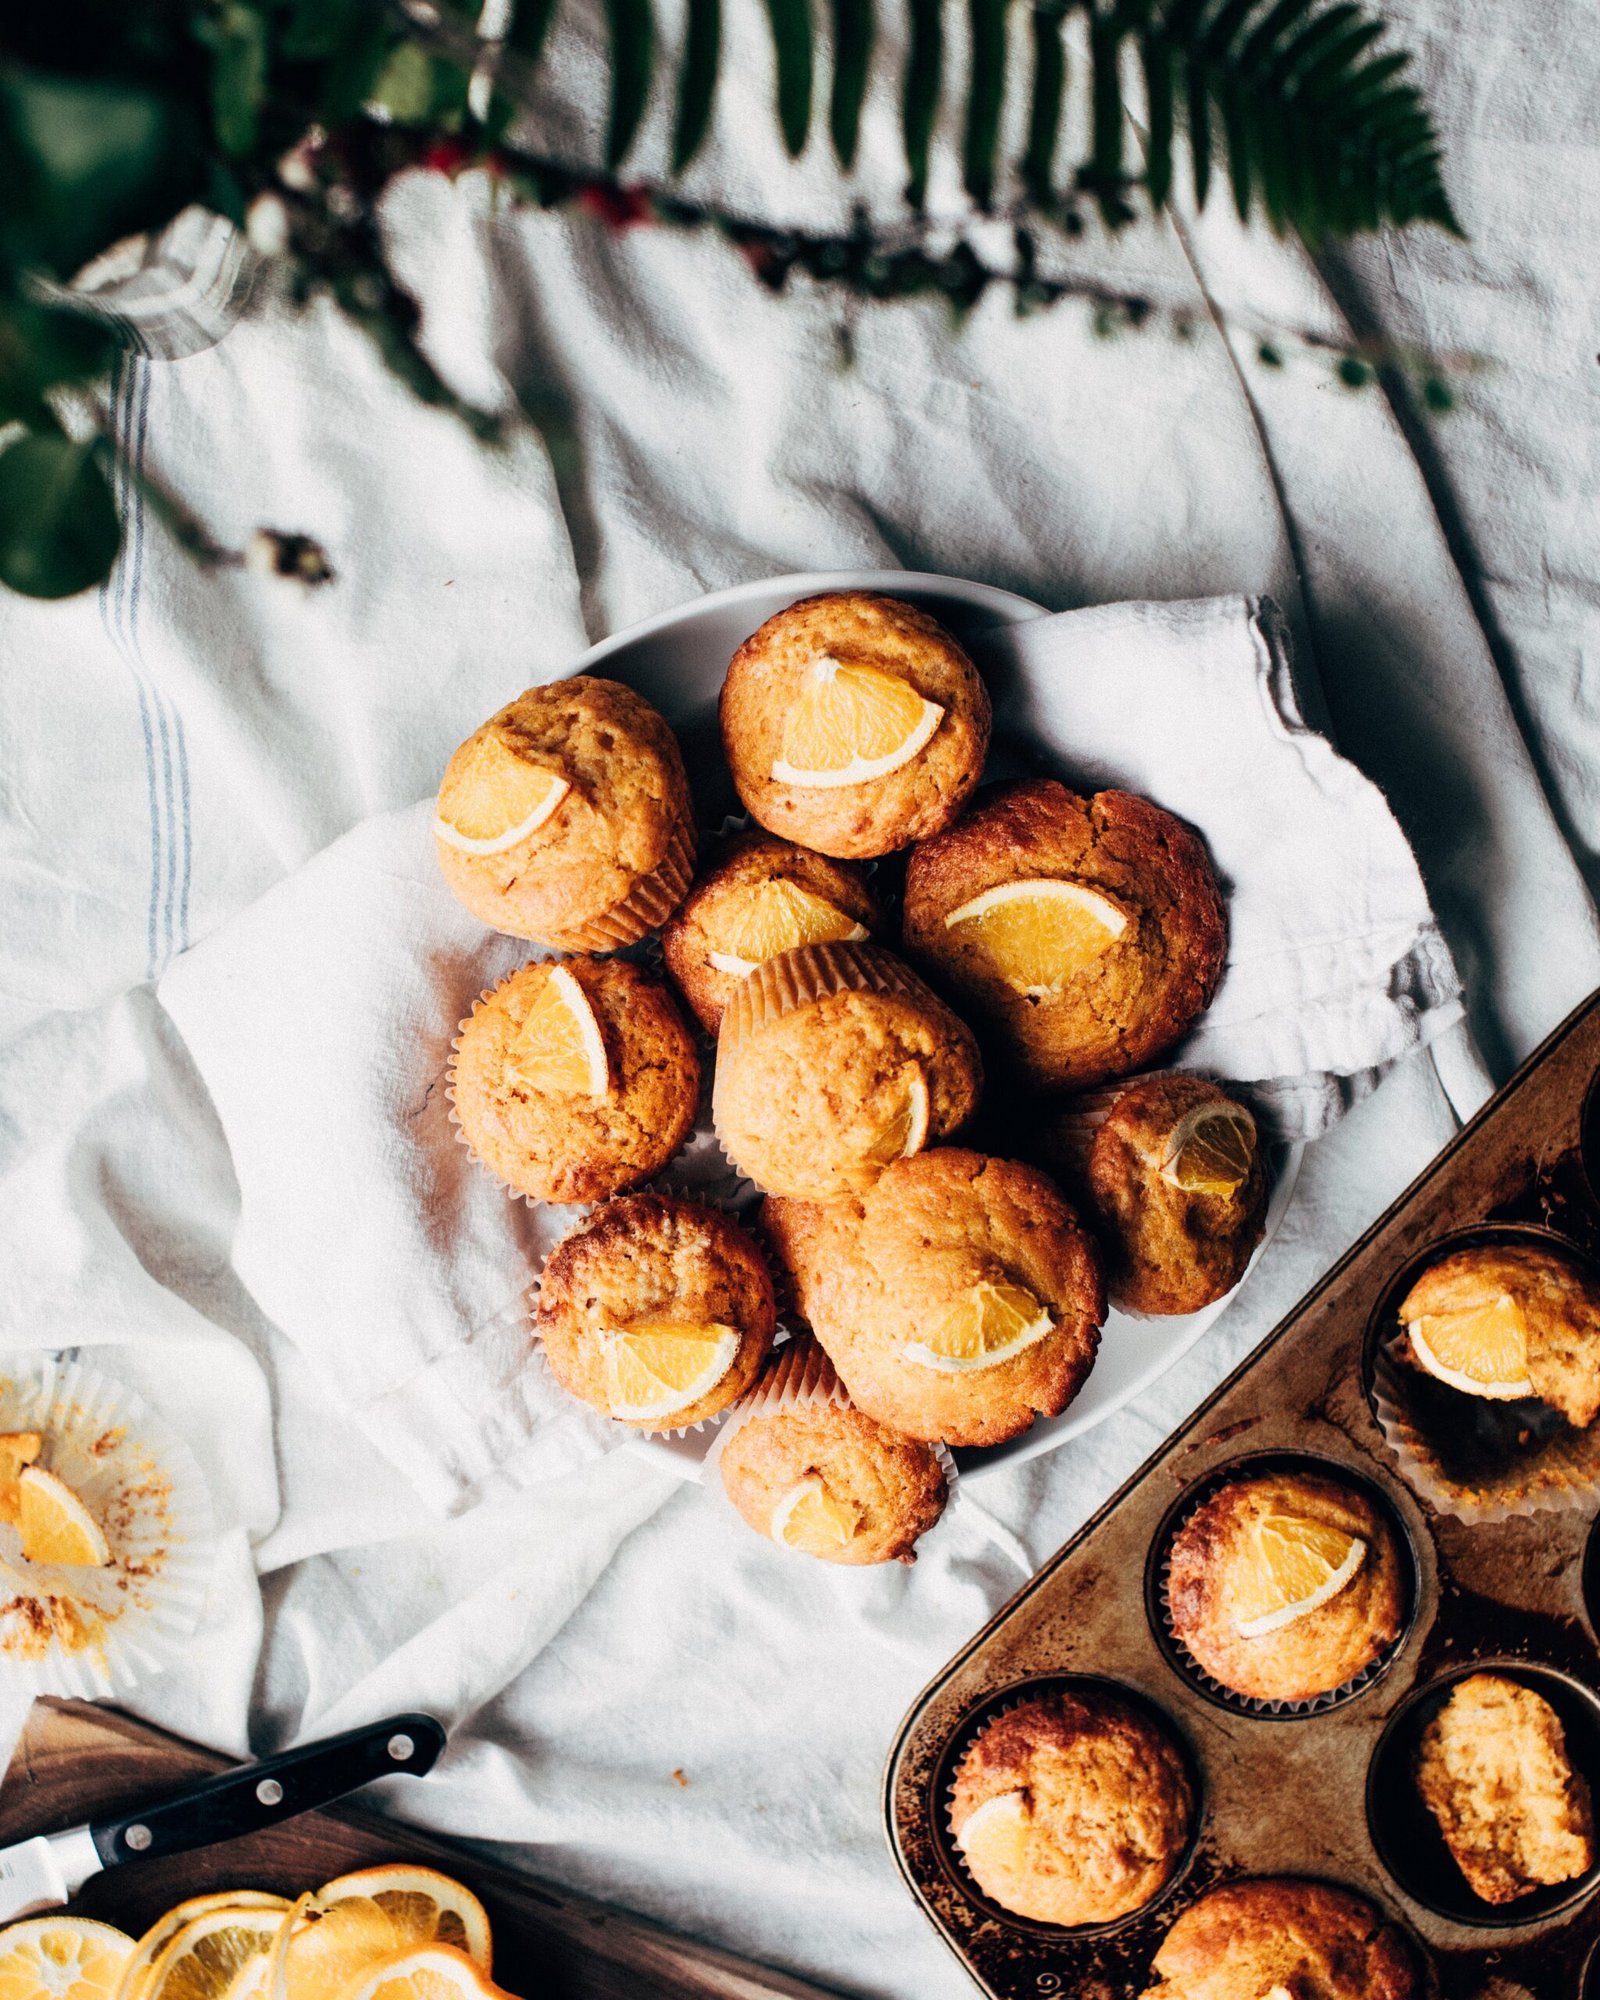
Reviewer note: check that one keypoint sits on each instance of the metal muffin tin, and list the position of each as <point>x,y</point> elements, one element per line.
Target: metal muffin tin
<point>1323,1790</point>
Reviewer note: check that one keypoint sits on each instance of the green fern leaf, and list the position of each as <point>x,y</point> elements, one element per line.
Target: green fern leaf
<point>1156,57</point>
<point>1105,48</point>
<point>920,99</point>
<point>791,45</point>
<point>697,79</point>
<point>985,96</point>
<point>853,32</point>
<point>1044,106</point>
<point>633,51</point>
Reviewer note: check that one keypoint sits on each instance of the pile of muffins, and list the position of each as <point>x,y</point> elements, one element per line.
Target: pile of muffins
<point>1050,946</point>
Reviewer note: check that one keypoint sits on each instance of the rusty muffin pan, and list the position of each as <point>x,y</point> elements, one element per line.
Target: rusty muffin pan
<point>1320,1788</point>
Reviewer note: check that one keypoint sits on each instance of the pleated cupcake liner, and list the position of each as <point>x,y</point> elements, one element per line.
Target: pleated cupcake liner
<point>92,1633</point>
<point>810,973</point>
<point>647,906</point>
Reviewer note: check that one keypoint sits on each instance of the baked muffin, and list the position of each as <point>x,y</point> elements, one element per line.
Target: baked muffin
<point>1284,1585</point>
<point>1505,1321</point>
<point>575,1080</point>
<point>816,1475</point>
<point>832,1061</point>
<point>760,897</point>
<point>1086,933</point>
<point>656,1311</point>
<point>1282,1939</point>
<point>1176,1184</point>
<point>959,1298</point>
<point>567,819</point>
<point>854,724</point>
<point>1072,1808</point>
<point>1493,1769</point>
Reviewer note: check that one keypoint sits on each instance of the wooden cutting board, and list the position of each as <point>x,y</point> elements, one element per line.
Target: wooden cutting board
<point>77,1761</point>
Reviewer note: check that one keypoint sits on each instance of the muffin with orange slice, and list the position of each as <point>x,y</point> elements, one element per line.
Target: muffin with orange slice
<point>854,724</point>
<point>816,1475</point>
<point>655,1311</point>
<point>760,898</point>
<point>959,1297</point>
<point>1277,1938</point>
<point>567,818</point>
<point>1284,1585</point>
<point>833,1061</point>
<point>574,1080</point>
<point>1087,934</point>
<point>1174,1176</point>
<point>1072,1808</point>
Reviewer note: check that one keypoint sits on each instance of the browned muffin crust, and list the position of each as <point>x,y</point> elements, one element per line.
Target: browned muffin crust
<point>881,814</point>
<point>1129,1006</point>
<point>879,1272</point>
<point>570,1148</point>
<point>650,1256</point>
<point>1108,1799</point>
<point>1248,1940</point>
<point>1168,1249</point>
<point>1316,1653</point>
<point>700,926</point>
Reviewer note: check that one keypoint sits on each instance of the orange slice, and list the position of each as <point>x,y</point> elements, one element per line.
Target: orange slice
<point>1039,934</point>
<point>852,724</point>
<point>433,1972</point>
<point>990,1324</point>
<point>56,1526</point>
<point>995,1837</point>
<point>1293,1568</point>
<point>777,916</point>
<point>656,1367</point>
<point>1211,1151</point>
<point>362,1921</point>
<point>207,1957</point>
<point>61,1958</point>
<point>496,799</point>
<point>1482,1351</point>
<point>17,1449</point>
<point>813,1520</point>
<point>560,1050</point>
<point>161,1933</point>
<point>906,1131</point>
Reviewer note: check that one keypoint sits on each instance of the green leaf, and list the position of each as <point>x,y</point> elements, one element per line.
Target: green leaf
<point>1199,123</point>
<point>853,32</point>
<point>42,349</point>
<point>407,84</point>
<point>237,37</point>
<point>632,60</point>
<point>791,45</point>
<point>354,62</point>
<point>529,28</point>
<point>1157,62</point>
<point>1044,107</point>
<point>985,96</point>
<point>920,98</point>
<point>1105,44</point>
<point>59,532</point>
<point>697,79</point>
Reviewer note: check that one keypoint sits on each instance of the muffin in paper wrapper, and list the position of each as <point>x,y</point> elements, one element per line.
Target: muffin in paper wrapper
<point>649,903</point>
<point>813,972</point>
<point>89,1633</point>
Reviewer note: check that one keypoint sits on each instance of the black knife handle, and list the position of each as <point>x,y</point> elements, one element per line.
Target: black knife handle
<point>256,1796</point>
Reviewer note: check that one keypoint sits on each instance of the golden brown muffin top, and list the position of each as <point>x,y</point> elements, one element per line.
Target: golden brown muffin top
<point>1097,1809</point>
<point>771,671</point>
<point>568,1146</point>
<point>1276,1934</point>
<point>1129,1005</point>
<point>1215,1559</point>
<point>825,1059</point>
<point>1560,1304</point>
<point>629,797</point>
<point>643,1261</point>
<point>880,1276</point>
<point>1493,1769</point>
<point>1170,1249</point>
<point>879,1491</point>
<point>715,915</point>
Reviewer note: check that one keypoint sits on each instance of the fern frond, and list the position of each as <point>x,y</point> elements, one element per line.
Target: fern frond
<point>632,27</point>
<point>853,31</point>
<point>1044,106</point>
<point>791,46</point>
<point>697,79</point>
<point>985,96</point>
<point>920,97</point>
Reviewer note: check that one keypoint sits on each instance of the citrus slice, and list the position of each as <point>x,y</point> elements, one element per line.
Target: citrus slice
<point>1039,934</point>
<point>161,1933</point>
<point>17,1449</point>
<point>61,1958</point>
<point>430,1972</point>
<point>778,916</point>
<point>1482,1351</point>
<point>560,1050</point>
<point>1295,1567</point>
<point>359,1922</point>
<point>1211,1150</point>
<point>56,1526</point>
<point>995,1837</point>
<point>497,799</point>
<point>906,1131</point>
<point>813,1520</point>
<point>853,723</point>
<point>656,1367</point>
<point>988,1325</point>
<point>204,1959</point>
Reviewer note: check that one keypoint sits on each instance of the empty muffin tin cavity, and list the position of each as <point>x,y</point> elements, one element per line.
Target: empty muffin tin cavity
<point>1407,1836</point>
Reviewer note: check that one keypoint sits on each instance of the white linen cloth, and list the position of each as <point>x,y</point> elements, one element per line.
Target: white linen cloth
<point>174,746</point>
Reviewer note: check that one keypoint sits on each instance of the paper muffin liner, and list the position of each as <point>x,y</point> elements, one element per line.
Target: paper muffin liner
<point>90,1633</point>
<point>811,972</point>
<point>649,903</point>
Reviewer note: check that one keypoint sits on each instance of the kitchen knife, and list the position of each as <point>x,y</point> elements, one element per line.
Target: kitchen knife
<point>43,1873</point>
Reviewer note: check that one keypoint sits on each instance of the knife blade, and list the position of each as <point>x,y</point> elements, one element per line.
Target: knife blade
<point>49,1869</point>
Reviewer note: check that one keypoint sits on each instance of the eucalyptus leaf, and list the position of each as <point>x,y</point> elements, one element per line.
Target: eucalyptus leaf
<point>59,532</point>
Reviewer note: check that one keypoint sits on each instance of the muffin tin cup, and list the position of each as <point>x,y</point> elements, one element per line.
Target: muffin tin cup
<point>649,903</point>
<point>1561,1473</point>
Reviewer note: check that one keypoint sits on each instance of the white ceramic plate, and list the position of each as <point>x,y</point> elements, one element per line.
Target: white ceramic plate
<point>677,660</point>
